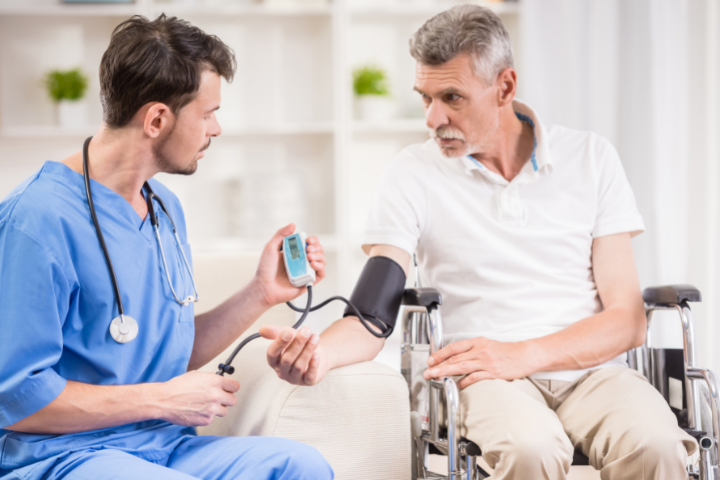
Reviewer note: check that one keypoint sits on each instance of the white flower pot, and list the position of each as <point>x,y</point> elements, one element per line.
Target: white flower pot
<point>376,108</point>
<point>71,114</point>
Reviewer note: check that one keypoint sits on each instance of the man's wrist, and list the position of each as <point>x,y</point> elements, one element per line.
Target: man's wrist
<point>330,355</point>
<point>257,293</point>
<point>154,400</point>
<point>537,356</point>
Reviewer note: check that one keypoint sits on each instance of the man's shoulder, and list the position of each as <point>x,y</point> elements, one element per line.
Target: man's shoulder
<point>416,159</point>
<point>559,134</point>
<point>587,147</point>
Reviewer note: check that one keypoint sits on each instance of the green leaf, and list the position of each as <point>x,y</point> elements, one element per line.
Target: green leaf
<point>370,80</point>
<point>66,84</point>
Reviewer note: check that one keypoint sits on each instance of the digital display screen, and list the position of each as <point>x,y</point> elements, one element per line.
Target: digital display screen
<point>294,250</point>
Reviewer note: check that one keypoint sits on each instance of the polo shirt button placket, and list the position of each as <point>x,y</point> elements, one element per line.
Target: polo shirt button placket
<point>510,204</point>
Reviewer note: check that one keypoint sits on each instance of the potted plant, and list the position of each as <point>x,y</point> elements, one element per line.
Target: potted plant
<point>373,100</point>
<point>67,88</point>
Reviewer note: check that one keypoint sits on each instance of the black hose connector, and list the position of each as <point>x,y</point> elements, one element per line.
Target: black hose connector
<point>226,368</point>
<point>223,369</point>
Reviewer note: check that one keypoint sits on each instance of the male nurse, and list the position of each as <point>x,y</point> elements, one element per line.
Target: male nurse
<point>75,402</point>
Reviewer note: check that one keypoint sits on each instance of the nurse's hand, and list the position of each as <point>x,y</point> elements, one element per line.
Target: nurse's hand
<point>270,277</point>
<point>195,398</point>
<point>296,356</point>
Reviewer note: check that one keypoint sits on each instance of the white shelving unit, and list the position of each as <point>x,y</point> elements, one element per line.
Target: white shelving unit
<point>291,148</point>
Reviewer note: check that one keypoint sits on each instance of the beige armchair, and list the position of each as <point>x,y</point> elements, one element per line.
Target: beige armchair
<point>358,417</point>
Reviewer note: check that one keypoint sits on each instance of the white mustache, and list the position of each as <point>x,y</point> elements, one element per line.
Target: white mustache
<point>447,133</point>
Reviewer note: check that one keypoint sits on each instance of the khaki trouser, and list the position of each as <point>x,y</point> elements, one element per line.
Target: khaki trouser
<point>528,429</point>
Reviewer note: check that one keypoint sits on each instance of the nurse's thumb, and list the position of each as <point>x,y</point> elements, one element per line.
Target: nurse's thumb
<point>277,239</point>
<point>271,332</point>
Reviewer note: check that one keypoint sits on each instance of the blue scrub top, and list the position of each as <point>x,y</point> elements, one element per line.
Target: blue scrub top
<point>57,302</point>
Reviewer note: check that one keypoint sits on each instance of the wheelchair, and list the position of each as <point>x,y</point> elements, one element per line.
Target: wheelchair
<point>692,392</point>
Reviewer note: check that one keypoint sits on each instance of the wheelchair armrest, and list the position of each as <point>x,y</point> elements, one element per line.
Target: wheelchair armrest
<point>422,297</point>
<point>670,295</point>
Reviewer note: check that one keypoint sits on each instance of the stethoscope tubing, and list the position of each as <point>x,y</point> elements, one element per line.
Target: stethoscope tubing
<point>98,230</point>
<point>155,224</point>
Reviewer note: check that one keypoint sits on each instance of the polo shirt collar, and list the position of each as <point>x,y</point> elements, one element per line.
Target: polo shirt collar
<point>540,159</point>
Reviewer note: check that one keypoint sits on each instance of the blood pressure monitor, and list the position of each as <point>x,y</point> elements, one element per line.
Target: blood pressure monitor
<point>297,265</point>
<point>380,290</point>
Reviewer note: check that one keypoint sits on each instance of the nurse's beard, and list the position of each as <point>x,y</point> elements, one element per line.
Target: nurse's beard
<point>165,163</point>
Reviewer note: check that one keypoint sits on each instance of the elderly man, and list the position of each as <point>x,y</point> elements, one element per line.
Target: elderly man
<point>526,231</point>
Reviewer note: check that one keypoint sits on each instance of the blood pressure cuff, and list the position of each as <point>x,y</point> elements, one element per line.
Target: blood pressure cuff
<point>378,293</point>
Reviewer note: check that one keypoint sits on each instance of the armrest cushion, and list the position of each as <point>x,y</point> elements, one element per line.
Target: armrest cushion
<point>670,295</point>
<point>358,417</point>
<point>422,297</point>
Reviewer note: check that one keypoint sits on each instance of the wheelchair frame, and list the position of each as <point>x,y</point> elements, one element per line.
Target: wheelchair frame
<point>422,336</point>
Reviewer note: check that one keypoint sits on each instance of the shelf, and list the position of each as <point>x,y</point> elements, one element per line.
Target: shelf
<point>424,10</point>
<point>250,10</point>
<point>127,10</point>
<point>241,245</point>
<point>46,132</point>
<point>405,125</point>
<point>70,10</point>
<point>320,128</point>
<point>294,103</point>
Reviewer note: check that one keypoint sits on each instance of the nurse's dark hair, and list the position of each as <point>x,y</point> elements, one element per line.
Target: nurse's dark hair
<point>157,61</point>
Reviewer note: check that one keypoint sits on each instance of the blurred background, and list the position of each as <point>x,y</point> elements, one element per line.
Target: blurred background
<point>323,100</point>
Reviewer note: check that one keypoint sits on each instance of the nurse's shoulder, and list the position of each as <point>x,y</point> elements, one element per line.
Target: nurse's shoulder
<point>36,195</point>
<point>8,203</point>
<point>46,204</point>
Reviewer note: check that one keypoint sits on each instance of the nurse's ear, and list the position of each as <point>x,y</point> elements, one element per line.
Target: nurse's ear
<point>157,118</point>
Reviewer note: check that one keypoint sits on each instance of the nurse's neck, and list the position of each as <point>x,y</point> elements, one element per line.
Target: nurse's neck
<point>122,160</point>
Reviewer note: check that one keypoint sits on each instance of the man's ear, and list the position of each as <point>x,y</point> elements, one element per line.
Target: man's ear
<point>507,81</point>
<point>158,117</point>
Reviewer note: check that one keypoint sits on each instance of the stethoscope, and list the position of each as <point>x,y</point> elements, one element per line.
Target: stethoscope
<point>124,328</point>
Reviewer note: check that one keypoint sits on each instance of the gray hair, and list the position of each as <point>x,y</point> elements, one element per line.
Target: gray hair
<point>465,29</point>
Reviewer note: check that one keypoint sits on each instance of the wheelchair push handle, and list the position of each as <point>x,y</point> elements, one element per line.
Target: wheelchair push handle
<point>668,295</point>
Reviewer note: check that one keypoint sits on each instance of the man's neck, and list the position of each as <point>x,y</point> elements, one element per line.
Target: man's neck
<point>511,146</point>
<point>121,160</point>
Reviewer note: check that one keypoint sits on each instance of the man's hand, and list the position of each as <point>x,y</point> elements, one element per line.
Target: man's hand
<point>196,398</point>
<point>296,356</point>
<point>481,359</point>
<point>270,275</point>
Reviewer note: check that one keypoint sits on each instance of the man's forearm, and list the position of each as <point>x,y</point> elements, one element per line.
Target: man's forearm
<point>348,341</point>
<point>217,329</point>
<point>589,342</point>
<point>81,407</point>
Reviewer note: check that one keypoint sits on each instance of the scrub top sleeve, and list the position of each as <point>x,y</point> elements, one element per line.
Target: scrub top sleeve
<point>617,211</point>
<point>399,209</point>
<point>34,299</point>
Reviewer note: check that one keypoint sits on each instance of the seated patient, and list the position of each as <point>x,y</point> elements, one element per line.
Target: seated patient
<point>525,229</point>
<point>83,395</point>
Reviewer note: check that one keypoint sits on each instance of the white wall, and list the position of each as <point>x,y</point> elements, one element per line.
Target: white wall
<point>643,73</point>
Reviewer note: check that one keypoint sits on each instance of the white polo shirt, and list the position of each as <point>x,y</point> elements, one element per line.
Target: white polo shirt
<point>512,260</point>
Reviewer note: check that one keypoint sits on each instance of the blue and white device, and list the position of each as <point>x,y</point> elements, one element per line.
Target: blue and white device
<point>297,265</point>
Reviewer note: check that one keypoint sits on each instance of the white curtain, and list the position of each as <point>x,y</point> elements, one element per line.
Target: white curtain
<point>644,74</point>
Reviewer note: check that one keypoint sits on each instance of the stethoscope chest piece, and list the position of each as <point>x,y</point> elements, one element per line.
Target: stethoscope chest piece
<point>123,329</point>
